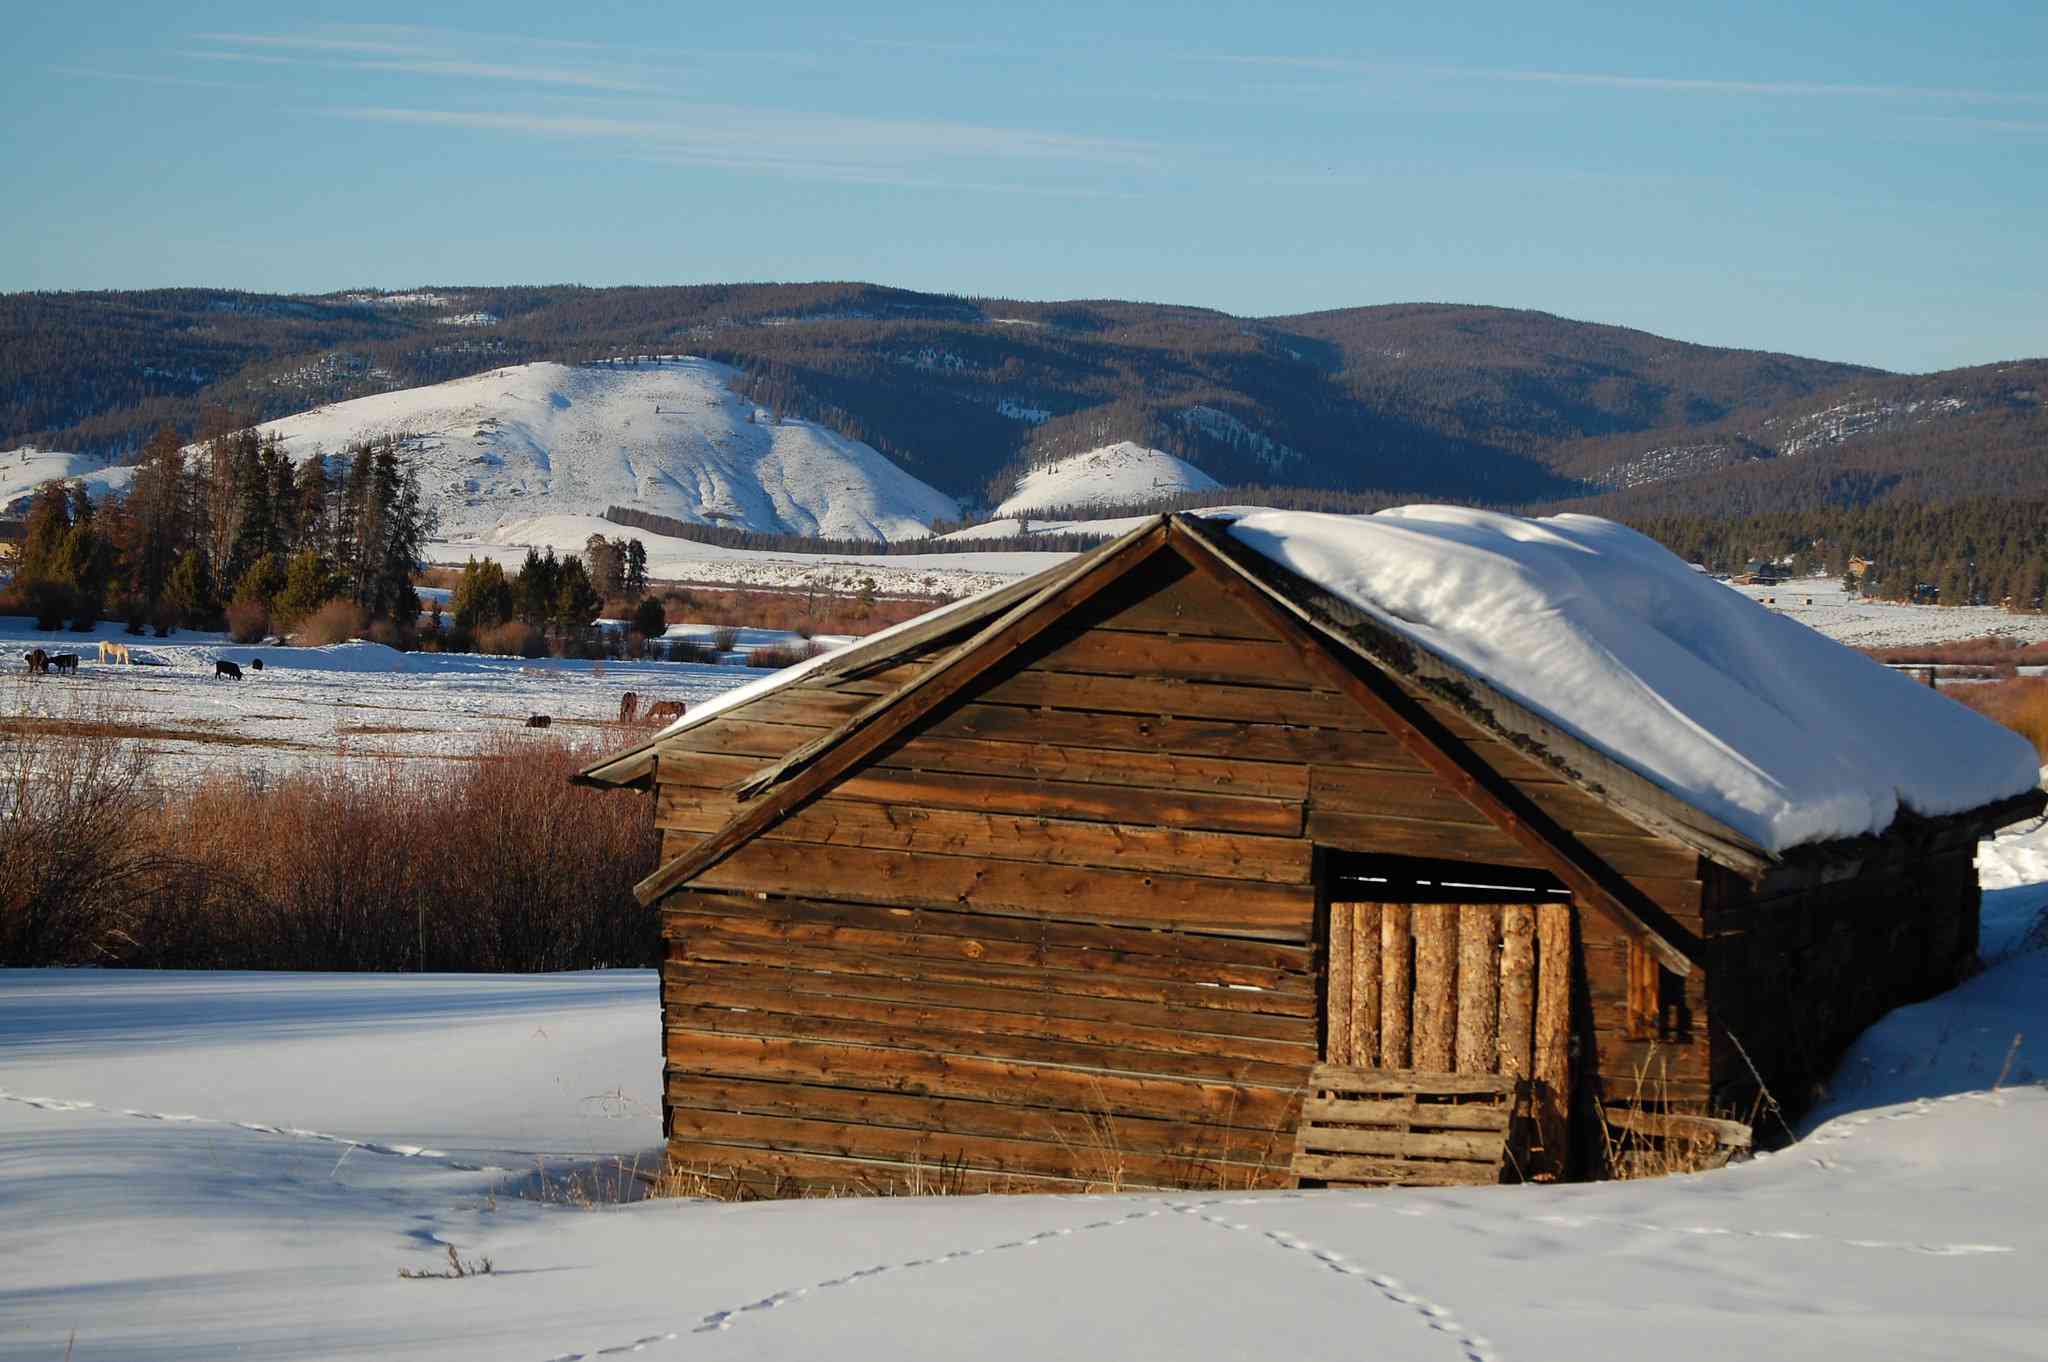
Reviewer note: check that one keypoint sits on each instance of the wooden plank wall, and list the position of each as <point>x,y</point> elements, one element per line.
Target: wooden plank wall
<point>1160,767</point>
<point>1803,964</point>
<point>840,1042</point>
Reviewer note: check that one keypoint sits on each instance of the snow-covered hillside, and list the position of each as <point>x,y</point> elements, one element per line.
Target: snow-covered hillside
<point>668,437</point>
<point>25,469</point>
<point>1120,473</point>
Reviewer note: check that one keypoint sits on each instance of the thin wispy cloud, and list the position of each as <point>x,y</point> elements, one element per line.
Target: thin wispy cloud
<point>145,78</point>
<point>816,139</point>
<point>365,54</point>
<point>470,70</point>
<point>1658,84</point>
<point>311,43</point>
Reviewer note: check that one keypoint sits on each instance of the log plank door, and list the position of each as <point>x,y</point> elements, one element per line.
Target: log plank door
<point>1445,1046</point>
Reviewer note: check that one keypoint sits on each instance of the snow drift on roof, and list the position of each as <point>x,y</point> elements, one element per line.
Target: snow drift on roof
<point>1784,735</point>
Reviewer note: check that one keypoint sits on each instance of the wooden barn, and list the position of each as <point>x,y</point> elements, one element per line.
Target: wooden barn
<point>1171,867</point>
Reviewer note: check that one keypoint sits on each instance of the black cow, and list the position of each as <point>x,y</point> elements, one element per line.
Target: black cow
<point>223,667</point>
<point>65,662</point>
<point>537,721</point>
<point>255,664</point>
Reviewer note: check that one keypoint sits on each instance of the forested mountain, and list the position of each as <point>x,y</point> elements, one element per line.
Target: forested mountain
<point>1469,403</point>
<point>1932,438</point>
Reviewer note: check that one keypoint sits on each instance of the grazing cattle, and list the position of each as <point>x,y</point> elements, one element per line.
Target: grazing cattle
<point>223,667</point>
<point>38,662</point>
<point>111,652</point>
<point>65,662</point>
<point>629,707</point>
<point>662,710</point>
<point>537,721</point>
<point>255,664</point>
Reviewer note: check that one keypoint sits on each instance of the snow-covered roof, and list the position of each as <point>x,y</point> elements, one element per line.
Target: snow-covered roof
<point>1779,733</point>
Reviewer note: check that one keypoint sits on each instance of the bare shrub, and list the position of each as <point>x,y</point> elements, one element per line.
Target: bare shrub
<point>74,851</point>
<point>334,622</point>
<point>691,650</point>
<point>782,654</point>
<point>725,638</point>
<point>248,621</point>
<point>513,638</point>
<point>494,864</point>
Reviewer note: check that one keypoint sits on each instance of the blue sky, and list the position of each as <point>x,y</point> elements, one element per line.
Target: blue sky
<point>1862,182</point>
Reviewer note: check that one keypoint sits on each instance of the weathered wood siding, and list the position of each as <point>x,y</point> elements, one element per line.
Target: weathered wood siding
<point>897,1047</point>
<point>1813,955</point>
<point>1079,897</point>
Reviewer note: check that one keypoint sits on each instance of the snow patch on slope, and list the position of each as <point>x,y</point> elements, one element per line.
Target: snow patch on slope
<point>668,437</point>
<point>23,470</point>
<point>1120,473</point>
<point>1781,734</point>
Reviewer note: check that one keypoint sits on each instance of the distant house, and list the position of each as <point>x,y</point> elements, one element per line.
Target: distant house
<point>1300,850</point>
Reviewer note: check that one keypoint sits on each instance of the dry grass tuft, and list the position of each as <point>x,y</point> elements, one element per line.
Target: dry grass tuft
<point>457,1269</point>
<point>1649,1136</point>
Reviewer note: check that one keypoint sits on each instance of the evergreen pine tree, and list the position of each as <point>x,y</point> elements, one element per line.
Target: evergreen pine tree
<point>190,590</point>
<point>49,521</point>
<point>308,584</point>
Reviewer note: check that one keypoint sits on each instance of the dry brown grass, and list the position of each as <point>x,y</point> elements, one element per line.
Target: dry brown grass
<point>495,863</point>
<point>1647,1135</point>
<point>1989,651</point>
<point>803,613</point>
<point>2021,705</point>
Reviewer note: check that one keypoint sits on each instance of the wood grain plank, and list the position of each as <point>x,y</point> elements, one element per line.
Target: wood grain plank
<point>1434,1039</point>
<point>1478,1047</point>
<point>855,816</point>
<point>1184,902</point>
<point>1208,1029</point>
<point>1245,1106</point>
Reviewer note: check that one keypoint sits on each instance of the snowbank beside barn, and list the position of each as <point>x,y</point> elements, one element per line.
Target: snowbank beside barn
<point>1782,734</point>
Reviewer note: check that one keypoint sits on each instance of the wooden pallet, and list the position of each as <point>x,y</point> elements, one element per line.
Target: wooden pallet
<point>1403,1128</point>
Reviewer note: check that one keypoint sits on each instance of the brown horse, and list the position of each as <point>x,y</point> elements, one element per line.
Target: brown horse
<point>38,662</point>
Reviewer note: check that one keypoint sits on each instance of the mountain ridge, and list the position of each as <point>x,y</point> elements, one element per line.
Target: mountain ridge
<point>1416,400</point>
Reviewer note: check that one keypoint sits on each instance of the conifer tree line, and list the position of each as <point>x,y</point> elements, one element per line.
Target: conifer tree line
<point>551,603</point>
<point>1980,551</point>
<point>230,531</point>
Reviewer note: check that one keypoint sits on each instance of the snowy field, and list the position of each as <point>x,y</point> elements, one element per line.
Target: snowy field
<point>1821,603</point>
<point>354,700</point>
<point>685,560</point>
<point>201,1166</point>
